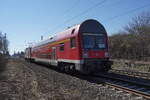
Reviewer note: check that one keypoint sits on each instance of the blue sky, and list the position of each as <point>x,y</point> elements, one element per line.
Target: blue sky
<point>25,21</point>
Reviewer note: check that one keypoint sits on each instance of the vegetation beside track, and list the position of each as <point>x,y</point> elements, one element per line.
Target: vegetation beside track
<point>133,42</point>
<point>3,52</point>
<point>139,66</point>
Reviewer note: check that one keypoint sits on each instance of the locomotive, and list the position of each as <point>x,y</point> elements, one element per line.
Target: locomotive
<point>83,47</point>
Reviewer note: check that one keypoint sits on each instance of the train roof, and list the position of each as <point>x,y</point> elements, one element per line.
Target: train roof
<point>91,25</point>
<point>86,26</point>
<point>49,40</point>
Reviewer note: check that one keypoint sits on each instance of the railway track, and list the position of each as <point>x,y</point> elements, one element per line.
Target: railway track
<point>132,73</point>
<point>131,86</point>
<point>140,88</point>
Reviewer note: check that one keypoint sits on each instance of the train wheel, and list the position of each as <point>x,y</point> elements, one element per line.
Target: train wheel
<point>67,68</point>
<point>72,69</point>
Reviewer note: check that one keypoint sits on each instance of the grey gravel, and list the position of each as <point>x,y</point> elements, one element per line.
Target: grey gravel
<point>29,81</point>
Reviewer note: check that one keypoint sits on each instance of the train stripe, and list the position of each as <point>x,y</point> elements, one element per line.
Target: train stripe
<point>54,62</point>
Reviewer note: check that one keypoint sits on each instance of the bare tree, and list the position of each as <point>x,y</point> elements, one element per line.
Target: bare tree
<point>3,51</point>
<point>3,44</point>
<point>134,41</point>
<point>139,24</point>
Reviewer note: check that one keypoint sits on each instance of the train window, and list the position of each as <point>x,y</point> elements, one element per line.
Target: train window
<point>93,42</point>
<point>72,42</point>
<point>61,47</point>
<point>72,31</point>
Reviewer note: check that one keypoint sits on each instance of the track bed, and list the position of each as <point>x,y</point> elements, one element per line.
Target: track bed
<point>28,81</point>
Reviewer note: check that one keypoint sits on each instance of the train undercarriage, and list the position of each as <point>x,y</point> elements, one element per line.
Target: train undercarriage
<point>88,67</point>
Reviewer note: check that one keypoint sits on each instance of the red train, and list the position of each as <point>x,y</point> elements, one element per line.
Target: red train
<point>83,47</point>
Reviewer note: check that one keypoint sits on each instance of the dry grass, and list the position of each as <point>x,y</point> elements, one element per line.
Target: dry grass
<point>140,66</point>
<point>28,81</point>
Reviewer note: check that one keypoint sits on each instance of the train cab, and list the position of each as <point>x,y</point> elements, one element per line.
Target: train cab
<point>94,46</point>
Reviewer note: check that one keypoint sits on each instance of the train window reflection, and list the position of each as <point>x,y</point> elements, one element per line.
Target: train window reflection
<point>93,42</point>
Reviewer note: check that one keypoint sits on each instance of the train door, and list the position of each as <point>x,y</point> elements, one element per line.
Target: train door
<point>54,57</point>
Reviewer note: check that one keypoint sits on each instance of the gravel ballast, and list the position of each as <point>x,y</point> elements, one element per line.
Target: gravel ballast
<point>28,81</point>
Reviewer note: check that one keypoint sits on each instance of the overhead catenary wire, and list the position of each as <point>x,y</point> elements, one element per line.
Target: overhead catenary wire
<point>84,12</point>
<point>87,10</point>
<point>72,7</point>
<point>106,20</point>
<point>126,13</point>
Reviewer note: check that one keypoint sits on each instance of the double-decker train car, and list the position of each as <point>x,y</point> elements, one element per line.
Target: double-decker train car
<point>83,47</point>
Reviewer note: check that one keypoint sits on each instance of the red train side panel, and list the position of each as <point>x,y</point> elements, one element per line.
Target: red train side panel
<point>83,47</point>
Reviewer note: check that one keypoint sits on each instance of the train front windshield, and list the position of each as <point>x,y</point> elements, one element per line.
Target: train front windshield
<point>94,41</point>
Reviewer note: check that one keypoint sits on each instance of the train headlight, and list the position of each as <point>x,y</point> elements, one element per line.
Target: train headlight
<point>85,55</point>
<point>106,54</point>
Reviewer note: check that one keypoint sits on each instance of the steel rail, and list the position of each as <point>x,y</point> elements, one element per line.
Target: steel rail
<point>125,85</point>
<point>143,75</point>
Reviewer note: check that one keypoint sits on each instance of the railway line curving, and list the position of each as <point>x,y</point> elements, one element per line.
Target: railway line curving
<point>132,86</point>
